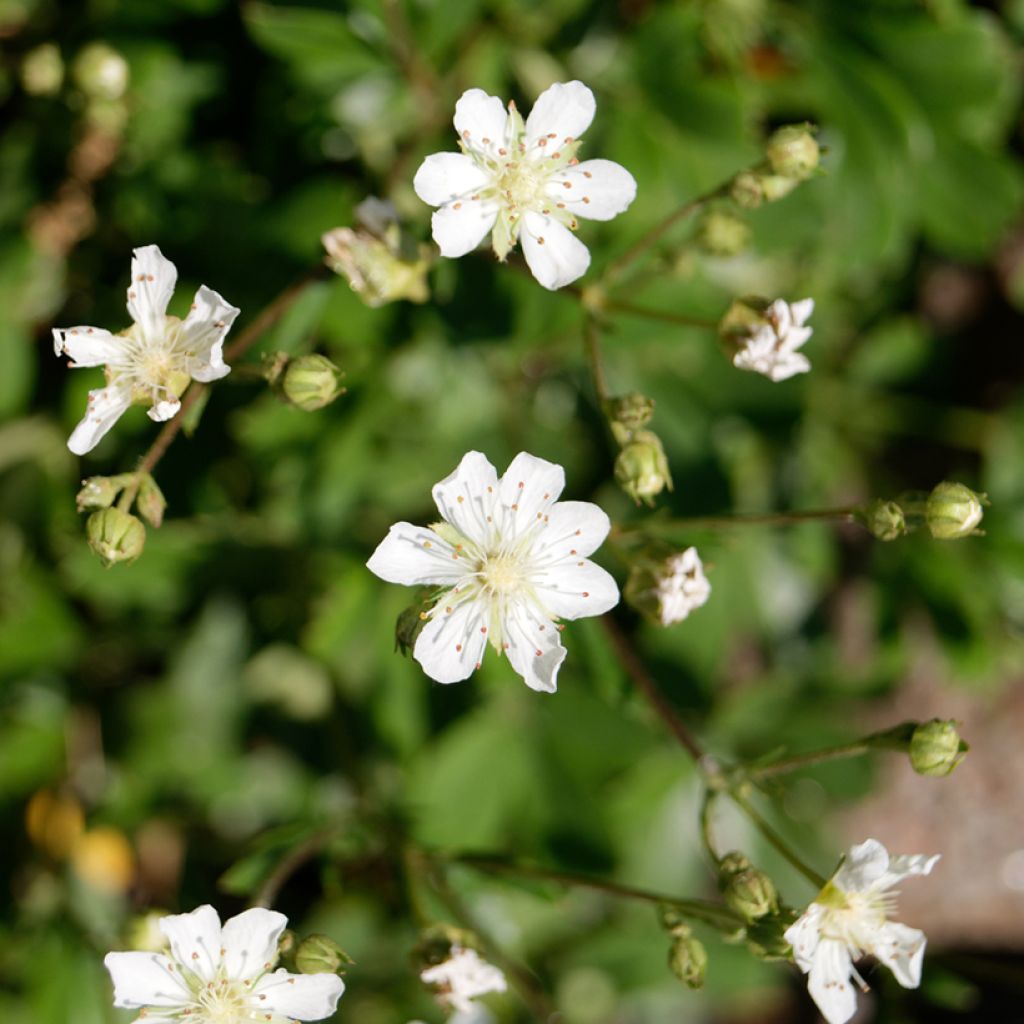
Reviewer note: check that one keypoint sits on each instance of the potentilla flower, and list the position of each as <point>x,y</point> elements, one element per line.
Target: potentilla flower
<point>220,975</point>
<point>771,347</point>
<point>463,977</point>
<point>682,586</point>
<point>512,560</point>
<point>522,182</point>
<point>849,919</point>
<point>153,361</point>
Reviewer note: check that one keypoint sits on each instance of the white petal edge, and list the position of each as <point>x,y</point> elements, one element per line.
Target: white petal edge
<point>577,589</point>
<point>249,941</point>
<point>804,935</point>
<point>299,996</point>
<point>467,497</point>
<point>865,864</point>
<point>145,979</point>
<point>88,346</point>
<point>599,189</point>
<point>555,256</point>
<point>451,645</point>
<point>163,410</point>
<point>829,982</point>
<point>801,310</point>
<point>444,177</point>
<point>535,648</point>
<point>564,110</point>
<point>528,489</point>
<point>907,866</point>
<point>901,949</point>
<point>152,285</point>
<point>415,556</point>
<point>195,940</point>
<point>203,332</point>
<point>575,529</point>
<point>105,407</point>
<point>460,231</point>
<point>479,116</point>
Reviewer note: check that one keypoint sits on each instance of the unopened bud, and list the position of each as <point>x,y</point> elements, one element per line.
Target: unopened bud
<point>408,625</point>
<point>724,234</point>
<point>885,520</point>
<point>746,889</point>
<point>115,536</point>
<point>747,191</point>
<point>936,748</point>
<point>777,186</point>
<point>101,72</point>
<point>631,412</point>
<point>320,954</point>
<point>954,511</point>
<point>150,501</point>
<point>642,468</point>
<point>793,152</point>
<point>100,491</point>
<point>311,382</point>
<point>688,958</point>
<point>42,70</point>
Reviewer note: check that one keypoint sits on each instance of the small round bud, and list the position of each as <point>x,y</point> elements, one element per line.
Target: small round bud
<point>642,468</point>
<point>936,748</point>
<point>954,511</point>
<point>632,411</point>
<point>311,382</point>
<point>115,536</point>
<point>99,492</point>
<point>688,959</point>
<point>884,519</point>
<point>724,234</point>
<point>746,890</point>
<point>150,501</point>
<point>101,72</point>
<point>777,186</point>
<point>793,152</point>
<point>42,70</point>
<point>747,191</point>
<point>320,954</point>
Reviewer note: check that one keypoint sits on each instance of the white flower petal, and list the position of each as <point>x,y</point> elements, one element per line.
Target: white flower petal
<point>298,996</point>
<point>249,941</point>
<point>152,284</point>
<point>556,257</point>
<point>450,646</point>
<point>105,407</point>
<point>480,116</point>
<point>804,935</point>
<point>145,979</point>
<point>163,410</point>
<point>528,489</point>
<point>444,177</point>
<point>467,498</point>
<point>458,228</point>
<point>563,110</point>
<point>598,189</point>
<point>574,529</point>
<point>901,949</point>
<point>802,310</point>
<point>576,588</point>
<point>829,982</point>
<point>788,365</point>
<point>88,346</point>
<point>534,647</point>
<point>195,940</point>
<point>864,865</point>
<point>203,332</point>
<point>906,866</point>
<point>414,556</point>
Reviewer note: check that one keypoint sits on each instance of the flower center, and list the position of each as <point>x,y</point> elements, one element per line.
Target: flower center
<point>522,183</point>
<point>154,367</point>
<point>502,574</point>
<point>222,1002</point>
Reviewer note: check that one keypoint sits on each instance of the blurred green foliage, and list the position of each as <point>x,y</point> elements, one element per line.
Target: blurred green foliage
<point>235,691</point>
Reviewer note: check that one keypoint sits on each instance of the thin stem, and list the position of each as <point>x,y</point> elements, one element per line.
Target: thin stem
<point>679,523</point>
<point>796,761</point>
<point>645,684</point>
<point>268,892</point>
<point>592,341</point>
<point>704,910</point>
<point>658,231</point>
<point>776,840</point>
<point>663,315</point>
<point>706,829</point>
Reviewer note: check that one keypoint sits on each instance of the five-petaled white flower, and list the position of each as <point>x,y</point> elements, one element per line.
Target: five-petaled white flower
<point>512,559</point>
<point>848,919</point>
<point>152,361</point>
<point>771,348</point>
<point>682,586</point>
<point>523,182</point>
<point>220,975</point>
<point>463,977</point>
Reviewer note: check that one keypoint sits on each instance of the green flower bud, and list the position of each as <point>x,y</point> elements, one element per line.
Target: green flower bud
<point>42,70</point>
<point>885,519</point>
<point>150,501</point>
<point>793,152</point>
<point>407,627</point>
<point>632,411</point>
<point>723,234</point>
<point>642,468</point>
<point>115,536</point>
<point>688,958</point>
<point>766,937</point>
<point>321,955</point>
<point>746,890</point>
<point>101,72</point>
<point>776,186</point>
<point>100,491</point>
<point>747,191</point>
<point>954,511</point>
<point>311,382</point>
<point>936,748</point>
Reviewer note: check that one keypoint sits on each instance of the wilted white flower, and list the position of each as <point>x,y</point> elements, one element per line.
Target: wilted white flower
<point>848,919</point>
<point>153,361</point>
<point>523,182</point>
<point>682,587</point>
<point>220,975</point>
<point>772,347</point>
<point>512,559</point>
<point>463,977</point>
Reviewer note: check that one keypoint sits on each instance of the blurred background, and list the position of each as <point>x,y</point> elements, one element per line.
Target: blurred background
<point>170,730</point>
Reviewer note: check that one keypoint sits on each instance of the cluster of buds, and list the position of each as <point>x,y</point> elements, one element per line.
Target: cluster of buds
<point>380,261</point>
<point>308,382</point>
<point>792,154</point>
<point>666,588</point>
<point>641,468</point>
<point>950,512</point>
<point>113,532</point>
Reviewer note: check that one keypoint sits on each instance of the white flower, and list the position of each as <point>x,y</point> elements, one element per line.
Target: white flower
<point>771,349</point>
<point>152,361</point>
<point>463,977</point>
<point>512,559</point>
<point>220,975</point>
<point>523,182</point>
<point>848,919</point>
<point>682,587</point>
